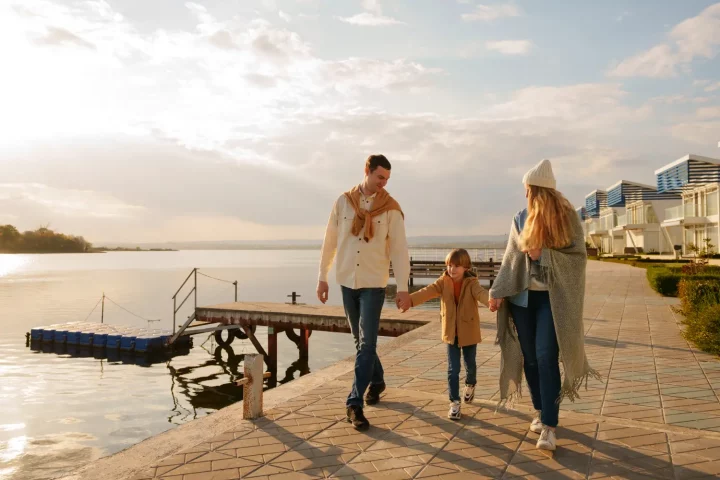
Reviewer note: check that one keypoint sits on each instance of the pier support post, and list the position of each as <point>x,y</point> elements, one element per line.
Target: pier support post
<point>304,344</point>
<point>302,341</point>
<point>272,356</point>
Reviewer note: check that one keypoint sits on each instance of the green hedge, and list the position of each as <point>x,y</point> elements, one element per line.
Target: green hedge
<point>703,329</point>
<point>699,302</point>
<point>665,280</point>
<point>698,293</point>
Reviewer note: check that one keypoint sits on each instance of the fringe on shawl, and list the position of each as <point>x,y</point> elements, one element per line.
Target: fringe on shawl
<point>570,389</point>
<point>511,400</point>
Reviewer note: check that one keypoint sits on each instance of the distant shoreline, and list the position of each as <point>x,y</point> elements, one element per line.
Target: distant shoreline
<point>242,248</point>
<point>93,250</point>
<point>310,247</point>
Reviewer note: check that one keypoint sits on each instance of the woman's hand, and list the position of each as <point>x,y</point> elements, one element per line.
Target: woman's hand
<point>534,253</point>
<point>494,304</point>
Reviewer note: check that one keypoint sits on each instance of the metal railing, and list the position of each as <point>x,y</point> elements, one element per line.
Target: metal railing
<point>482,254</point>
<point>193,274</point>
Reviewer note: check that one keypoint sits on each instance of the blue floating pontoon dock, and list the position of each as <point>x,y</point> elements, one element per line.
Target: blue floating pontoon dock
<point>98,335</point>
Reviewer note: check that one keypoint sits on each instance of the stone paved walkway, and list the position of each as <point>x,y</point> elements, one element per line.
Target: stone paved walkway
<point>657,415</point>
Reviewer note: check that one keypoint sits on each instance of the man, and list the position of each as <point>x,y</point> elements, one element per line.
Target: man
<point>366,231</point>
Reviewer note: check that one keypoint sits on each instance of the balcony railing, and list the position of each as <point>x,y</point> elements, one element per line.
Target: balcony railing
<point>712,203</point>
<point>675,213</point>
<point>608,222</point>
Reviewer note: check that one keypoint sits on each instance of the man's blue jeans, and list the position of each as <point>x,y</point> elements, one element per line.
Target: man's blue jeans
<point>453,354</point>
<point>362,309</point>
<point>536,333</point>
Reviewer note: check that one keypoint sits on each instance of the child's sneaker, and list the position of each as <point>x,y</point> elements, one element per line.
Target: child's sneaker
<point>547,439</point>
<point>454,412</point>
<point>536,426</point>
<point>469,393</point>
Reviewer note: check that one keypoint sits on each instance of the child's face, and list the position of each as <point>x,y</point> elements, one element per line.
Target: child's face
<point>456,272</point>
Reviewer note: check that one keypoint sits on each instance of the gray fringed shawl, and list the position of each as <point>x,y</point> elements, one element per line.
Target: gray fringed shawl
<point>564,272</point>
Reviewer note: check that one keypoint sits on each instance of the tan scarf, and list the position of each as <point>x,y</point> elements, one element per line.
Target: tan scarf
<point>383,203</point>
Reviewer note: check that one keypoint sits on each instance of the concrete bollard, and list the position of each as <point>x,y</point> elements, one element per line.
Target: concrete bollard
<point>253,386</point>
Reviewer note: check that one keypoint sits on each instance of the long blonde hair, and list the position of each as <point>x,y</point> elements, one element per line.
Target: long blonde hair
<point>548,224</point>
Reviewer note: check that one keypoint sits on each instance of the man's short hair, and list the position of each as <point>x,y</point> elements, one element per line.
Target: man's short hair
<point>375,161</point>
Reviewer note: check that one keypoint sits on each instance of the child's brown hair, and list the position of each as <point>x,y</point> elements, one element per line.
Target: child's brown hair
<point>459,257</point>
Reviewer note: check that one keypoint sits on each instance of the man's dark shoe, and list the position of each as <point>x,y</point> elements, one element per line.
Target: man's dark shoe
<point>357,418</point>
<point>373,394</point>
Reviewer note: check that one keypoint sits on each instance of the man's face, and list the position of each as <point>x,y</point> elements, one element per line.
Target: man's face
<point>377,180</point>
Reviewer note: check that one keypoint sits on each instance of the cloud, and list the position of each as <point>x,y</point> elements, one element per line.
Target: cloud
<point>713,87</point>
<point>372,17</point>
<point>693,38</point>
<point>709,112</point>
<point>510,47</point>
<point>580,125</point>
<point>659,61</point>
<point>59,36</point>
<point>367,19</point>
<point>622,16</point>
<point>251,116</point>
<point>701,133</point>
<point>209,88</point>
<point>488,13</point>
<point>35,198</point>
<point>358,73</point>
<point>285,16</point>
<point>372,6</point>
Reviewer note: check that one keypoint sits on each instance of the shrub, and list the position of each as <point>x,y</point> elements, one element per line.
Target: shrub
<point>664,280</point>
<point>703,329</point>
<point>697,293</point>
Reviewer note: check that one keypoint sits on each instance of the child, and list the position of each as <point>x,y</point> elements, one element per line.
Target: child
<point>460,292</point>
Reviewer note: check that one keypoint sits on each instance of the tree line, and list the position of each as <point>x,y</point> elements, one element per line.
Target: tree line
<point>42,240</point>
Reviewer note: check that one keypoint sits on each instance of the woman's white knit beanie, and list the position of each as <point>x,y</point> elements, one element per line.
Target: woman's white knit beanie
<point>540,175</point>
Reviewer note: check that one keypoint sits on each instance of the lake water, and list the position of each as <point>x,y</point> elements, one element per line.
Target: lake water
<point>59,411</point>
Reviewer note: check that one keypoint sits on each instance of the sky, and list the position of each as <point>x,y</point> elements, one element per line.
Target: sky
<point>138,121</point>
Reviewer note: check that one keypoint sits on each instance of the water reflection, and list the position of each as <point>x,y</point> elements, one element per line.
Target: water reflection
<point>112,355</point>
<point>204,392</point>
<point>73,404</point>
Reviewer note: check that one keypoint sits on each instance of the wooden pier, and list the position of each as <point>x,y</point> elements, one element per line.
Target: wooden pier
<point>242,318</point>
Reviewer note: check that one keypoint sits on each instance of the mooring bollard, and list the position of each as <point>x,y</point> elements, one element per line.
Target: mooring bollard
<point>252,385</point>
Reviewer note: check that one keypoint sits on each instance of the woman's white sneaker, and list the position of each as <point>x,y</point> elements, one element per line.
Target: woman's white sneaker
<point>547,439</point>
<point>469,393</point>
<point>536,426</point>
<point>454,412</point>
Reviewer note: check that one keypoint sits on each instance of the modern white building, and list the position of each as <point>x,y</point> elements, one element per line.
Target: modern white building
<point>638,211</point>
<point>596,228</point>
<point>697,180</point>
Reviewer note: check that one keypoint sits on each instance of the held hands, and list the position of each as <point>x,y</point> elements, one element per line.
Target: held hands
<point>402,300</point>
<point>534,253</point>
<point>494,304</point>
<point>322,291</point>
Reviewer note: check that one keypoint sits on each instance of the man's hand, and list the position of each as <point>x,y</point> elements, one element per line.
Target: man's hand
<point>402,300</point>
<point>322,291</point>
<point>494,304</point>
<point>534,253</point>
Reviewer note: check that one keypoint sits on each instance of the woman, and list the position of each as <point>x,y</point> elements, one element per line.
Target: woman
<point>542,277</point>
